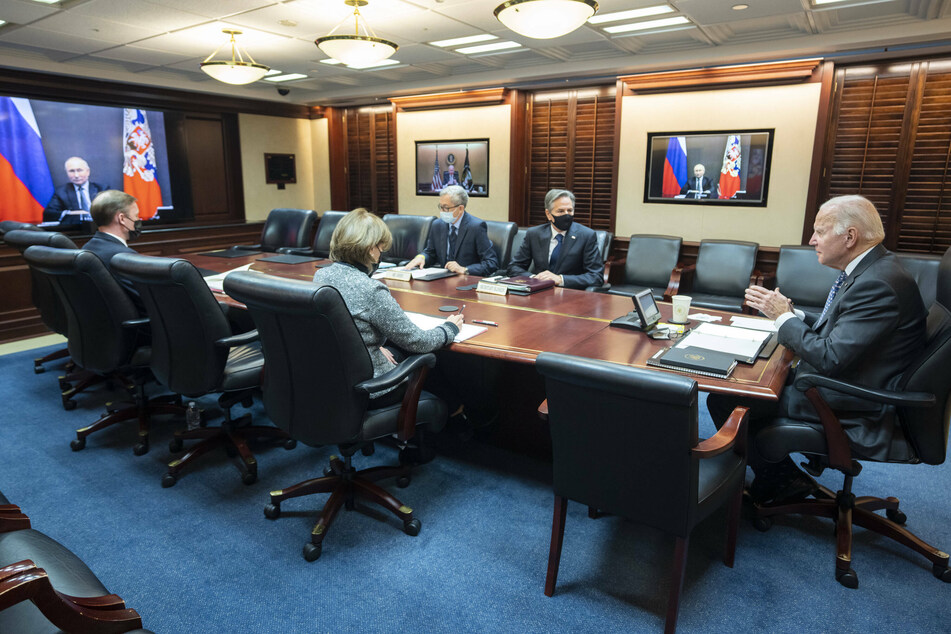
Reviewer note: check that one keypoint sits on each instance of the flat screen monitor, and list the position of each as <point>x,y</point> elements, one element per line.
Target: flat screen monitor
<point>441,163</point>
<point>646,308</point>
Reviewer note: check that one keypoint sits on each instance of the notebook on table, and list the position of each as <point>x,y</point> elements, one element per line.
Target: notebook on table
<point>525,285</point>
<point>288,258</point>
<point>695,360</point>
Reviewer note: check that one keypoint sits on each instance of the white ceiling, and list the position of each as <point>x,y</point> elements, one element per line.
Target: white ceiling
<point>161,42</point>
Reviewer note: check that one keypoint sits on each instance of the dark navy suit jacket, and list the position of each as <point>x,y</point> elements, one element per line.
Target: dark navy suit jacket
<point>65,198</point>
<point>579,261</point>
<point>474,250</point>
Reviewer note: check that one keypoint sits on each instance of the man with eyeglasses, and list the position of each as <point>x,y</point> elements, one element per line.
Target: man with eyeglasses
<point>457,240</point>
<point>561,249</point>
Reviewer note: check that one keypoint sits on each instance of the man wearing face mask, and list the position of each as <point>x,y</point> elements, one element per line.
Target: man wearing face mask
<point>117,216</point>
<point>458,240</point>
<point>561,249</point>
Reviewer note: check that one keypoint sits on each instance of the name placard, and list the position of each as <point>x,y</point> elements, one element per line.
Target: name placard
<point>493,289</point>
<point>400,276</point>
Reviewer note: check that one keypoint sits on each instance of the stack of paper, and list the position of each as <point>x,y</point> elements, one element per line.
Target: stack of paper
<point>742,342</point>
<point>216,282</point>
<point>427,322</point>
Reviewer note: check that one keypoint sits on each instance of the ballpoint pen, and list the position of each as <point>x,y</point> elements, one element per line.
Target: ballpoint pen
<point>484,322</point>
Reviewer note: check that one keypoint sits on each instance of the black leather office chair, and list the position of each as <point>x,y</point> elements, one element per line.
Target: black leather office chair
<point>317,384</point>
<point>604,239</point>
<point>285,228</point>
<point>650,263</point>
<point>325,230</point>
<point>802,279</point>
<point>409,236</point>
<point>104,334</point>
<point>194,353</point>
<point>924,268</point>
<point>922,405</point>
<point>723,272</point>
<point>501,235</point>
<point>517,244</point>
<point>6,226</point>
<point>44,297</point>
<point>614,424</point>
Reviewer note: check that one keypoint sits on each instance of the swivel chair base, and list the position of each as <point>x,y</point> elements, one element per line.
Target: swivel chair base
<point>846,509</point>
<point>345,484</point>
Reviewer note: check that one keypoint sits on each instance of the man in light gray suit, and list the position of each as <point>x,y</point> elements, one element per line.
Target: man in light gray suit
<point>871,328</point>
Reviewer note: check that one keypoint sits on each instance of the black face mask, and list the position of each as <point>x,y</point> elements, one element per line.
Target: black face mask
<point>562,222</point>
<point>136,230</point>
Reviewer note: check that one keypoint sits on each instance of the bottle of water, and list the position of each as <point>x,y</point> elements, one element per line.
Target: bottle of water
<point>192,416</point>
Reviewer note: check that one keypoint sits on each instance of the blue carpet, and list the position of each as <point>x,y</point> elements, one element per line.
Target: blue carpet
<point>201,556</point>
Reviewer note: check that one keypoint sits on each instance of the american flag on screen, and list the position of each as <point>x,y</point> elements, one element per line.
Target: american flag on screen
<point>437,179</point>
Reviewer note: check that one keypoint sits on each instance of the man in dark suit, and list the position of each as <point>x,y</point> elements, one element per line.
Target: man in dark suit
<point>699,186</point>
<point>561,250</point>
<point>871,328</point>
<point>449,177</point>
<point>457,240</point>
<point>75,196</point>
<point>116,214</point>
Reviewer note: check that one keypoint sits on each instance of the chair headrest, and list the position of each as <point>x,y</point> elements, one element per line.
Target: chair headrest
<point>22,239</point>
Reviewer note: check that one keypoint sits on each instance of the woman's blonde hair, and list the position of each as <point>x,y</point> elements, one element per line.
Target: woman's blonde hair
<point>357,233</point>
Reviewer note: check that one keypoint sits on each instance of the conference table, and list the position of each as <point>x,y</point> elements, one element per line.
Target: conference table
<point>554,320</point>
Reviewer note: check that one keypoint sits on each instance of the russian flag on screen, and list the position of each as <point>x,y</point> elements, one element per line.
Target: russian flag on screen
<point>675,166</point>
<point>138,168</point>
<point>26,185</point>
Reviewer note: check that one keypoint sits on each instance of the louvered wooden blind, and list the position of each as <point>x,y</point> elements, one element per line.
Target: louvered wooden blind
<point>572,147</point>
<point>891,143</point>
<point>371,160</point>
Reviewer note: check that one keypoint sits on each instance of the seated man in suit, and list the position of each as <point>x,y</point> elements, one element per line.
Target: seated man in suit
<point>561,250</point>
<point>871,328</point>
<point>457,240</point>
<point>74,196</point>
<point>116,214</point>
<point>699,186</point>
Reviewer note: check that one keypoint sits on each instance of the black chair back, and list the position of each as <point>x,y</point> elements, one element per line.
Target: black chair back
<point>185,320</point>
<point>650,261</point>
<point>314,356</point>
<point>724,267</point>
<point>501,235</point>
<point>96,306</point>
<point>615,424</point>
<point>604,239</point>
<point>325,231</point>
<point>288,228</point>
<point>924,268</point>
<point>42,293</point>
<point>802,279</point>
<point>926,428</point>
<point>409,236</point>
<point>517,244</point>
<point>6,226</point>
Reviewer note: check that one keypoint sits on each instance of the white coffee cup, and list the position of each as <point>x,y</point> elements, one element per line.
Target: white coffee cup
<point>681,308</point>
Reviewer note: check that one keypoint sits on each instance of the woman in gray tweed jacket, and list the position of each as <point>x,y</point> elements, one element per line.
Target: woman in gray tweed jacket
<point>358,240</point>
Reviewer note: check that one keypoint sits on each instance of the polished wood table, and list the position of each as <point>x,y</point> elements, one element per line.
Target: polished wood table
<point>556,320</point>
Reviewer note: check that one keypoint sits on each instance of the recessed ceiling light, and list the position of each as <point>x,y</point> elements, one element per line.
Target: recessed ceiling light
<point>288,77</point>
<point>630,15</point>
<point>273,72</point>
<point>47,1</point>
<point>459,41</point>
<point>650,24</point>
<point>377,64</point>
<point>2,22</point>
<point>484,48</point>
<point>331,61</point>
<point>740,7</point>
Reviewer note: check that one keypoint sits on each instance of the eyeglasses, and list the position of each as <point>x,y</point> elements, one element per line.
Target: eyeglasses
<point>447,208</point>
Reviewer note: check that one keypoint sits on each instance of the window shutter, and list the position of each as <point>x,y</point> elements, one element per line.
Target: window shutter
<point>371,160</point>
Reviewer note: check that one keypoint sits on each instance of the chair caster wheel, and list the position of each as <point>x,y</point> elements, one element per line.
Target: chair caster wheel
<point>78,445</point>
<point>762,524</point>
<point>847,578</point>
<point>140,448</point>
<point>69,405</point>
<point>412,527</point>
<point>403,481</point>
<point>38,369</point>
<point>169,480</point>
<point>290,443</point>
<point>64,385</point>
<point>249,477</point>
<point>312,552</point>
<point>272,511</point>
<point>896,516</point>
<point>368,450</point>
<point>943,573</point>
<point>328,472</point>
<point>175,445</point>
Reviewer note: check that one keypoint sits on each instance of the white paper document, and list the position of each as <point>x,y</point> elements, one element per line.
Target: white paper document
<point>216,282</point>
<point>755,324</point>
<point>729,339</point>
<point>426,322</point>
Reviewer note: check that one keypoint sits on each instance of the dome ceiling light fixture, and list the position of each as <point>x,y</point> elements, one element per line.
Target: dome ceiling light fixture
<point>356,49</point>
<point>545,19</point>
<point>235,71</point>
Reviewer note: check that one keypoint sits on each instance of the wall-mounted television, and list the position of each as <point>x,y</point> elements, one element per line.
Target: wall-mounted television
<point>441,163</point>
<point>122,148</point>
<point>728,167</point>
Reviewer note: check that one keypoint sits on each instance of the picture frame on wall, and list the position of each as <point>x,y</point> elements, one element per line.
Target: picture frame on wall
<point>723,167</point>
<point>463,162</point>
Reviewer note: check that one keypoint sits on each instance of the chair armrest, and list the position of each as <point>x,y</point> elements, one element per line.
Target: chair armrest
<point>238,340</point>
<point>397,375</point>
<point>768,280</point>
<point>12,518</point>
<point>731,436</point>
<point>681,279</point>
<point>887,397</point>
<point>23,581</point>
<point>607,270</point>
<point>413,368</point>
<point>543,410</point>
<point>251,247</point>
<point>295,250</point>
